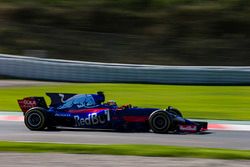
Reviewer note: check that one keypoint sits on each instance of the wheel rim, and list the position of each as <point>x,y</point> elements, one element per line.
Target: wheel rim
<point>160,122</point>
<point>34,119</point>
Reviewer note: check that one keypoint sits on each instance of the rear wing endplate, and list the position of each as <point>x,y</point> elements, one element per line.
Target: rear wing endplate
<point>29,102</point>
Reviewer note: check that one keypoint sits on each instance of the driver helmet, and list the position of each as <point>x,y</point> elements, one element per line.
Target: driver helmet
<point>111,103</point>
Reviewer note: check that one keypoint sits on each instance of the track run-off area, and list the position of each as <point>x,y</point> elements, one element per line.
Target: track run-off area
<point>221,134</point>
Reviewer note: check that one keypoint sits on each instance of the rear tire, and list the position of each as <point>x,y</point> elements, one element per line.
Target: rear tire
<point>35,119</point>
<point>160,121</point>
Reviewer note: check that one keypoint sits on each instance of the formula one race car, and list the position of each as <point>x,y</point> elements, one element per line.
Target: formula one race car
<point>90,111</point>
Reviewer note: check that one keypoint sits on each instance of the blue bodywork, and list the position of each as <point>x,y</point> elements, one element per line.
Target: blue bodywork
<point>90,111</point>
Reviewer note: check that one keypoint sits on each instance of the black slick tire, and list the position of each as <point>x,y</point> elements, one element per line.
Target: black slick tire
<point>160,121</point>
<point>175,112</point>
<point>35,119</point>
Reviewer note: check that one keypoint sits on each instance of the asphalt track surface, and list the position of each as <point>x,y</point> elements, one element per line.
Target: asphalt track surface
<point>16,131</point>
<point>80,160</point>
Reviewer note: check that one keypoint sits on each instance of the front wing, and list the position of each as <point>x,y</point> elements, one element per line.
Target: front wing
<point>194,127</point>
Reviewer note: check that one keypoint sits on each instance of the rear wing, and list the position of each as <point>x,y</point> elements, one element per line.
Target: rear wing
<point>29,102</point>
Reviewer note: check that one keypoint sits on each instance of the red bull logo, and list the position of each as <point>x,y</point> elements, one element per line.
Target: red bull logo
<point>93,119</point>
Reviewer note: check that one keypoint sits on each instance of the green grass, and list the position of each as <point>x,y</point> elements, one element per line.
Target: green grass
<point>138,150</point>
<point>208,102</point>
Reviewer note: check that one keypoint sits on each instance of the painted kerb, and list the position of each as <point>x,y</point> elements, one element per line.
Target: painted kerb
<point>80,71</point>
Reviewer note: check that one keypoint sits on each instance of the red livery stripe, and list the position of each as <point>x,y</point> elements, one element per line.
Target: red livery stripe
<point>87,110</point>
<point>135,118</point>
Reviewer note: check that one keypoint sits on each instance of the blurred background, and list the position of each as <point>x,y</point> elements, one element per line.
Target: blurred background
<point>166,32</point>
<point>204,46</point>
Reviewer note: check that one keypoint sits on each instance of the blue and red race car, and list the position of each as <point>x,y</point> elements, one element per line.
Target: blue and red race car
<point>91,111</point>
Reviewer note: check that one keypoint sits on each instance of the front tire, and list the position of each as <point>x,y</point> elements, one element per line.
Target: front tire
<point>174,111</point>
<point>160,121</point>
<point>35,119</point>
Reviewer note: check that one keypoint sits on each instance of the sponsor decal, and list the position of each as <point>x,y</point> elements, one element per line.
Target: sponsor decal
<point>27,103</point>
<point>93,119</point>
<point>62,115</point>
<point>188,127</point>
